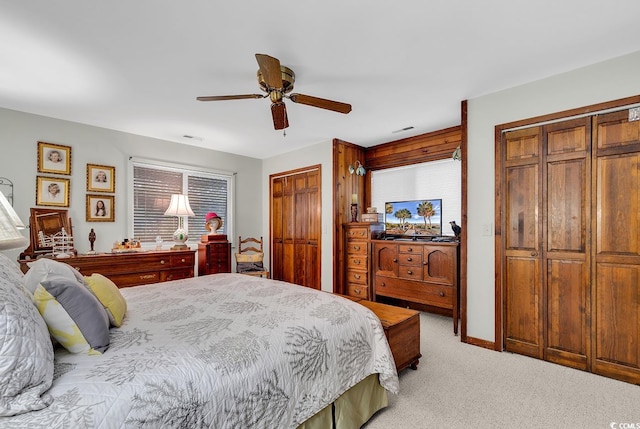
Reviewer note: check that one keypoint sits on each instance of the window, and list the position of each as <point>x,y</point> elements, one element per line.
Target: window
<point>153,184</point>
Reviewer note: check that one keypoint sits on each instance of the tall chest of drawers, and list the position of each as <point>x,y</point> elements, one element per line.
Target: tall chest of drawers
<point>214,255</point>
<point>358,250</point>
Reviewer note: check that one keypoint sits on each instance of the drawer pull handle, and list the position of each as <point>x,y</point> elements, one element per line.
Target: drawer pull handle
<point>395,260</point>
<point>357,291</point>
<point>356,261</point>
<point>409,272</point>
<point>409,259</point>
<point>382,284</point>
<point>410,249</point>
<point>362,234</point>
<point>162,262</point>
<point>183,260</point>
<point>441,293</point>
<point>356,247</point>
<point>356,276</point>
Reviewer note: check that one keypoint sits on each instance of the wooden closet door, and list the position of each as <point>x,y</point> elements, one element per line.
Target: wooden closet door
<point>296,227</point>
<point>522,233</point>
<point>616,319</point>
<point>567,216</point>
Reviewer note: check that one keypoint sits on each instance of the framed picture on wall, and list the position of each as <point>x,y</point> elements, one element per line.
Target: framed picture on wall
<point>54,158</point>
<point>100,208</point>
<point>101,178</point>
<point>52,191</point>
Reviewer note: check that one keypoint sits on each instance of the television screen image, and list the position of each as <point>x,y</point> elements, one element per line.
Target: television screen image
<point>416,218</point>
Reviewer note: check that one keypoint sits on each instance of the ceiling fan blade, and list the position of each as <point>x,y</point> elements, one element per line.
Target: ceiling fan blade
<point>279,114</point>
<point>322,103</point>
<point>270,69</point>
<point>229,97</point>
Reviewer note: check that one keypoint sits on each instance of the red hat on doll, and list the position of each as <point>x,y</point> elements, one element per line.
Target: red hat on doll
<point>209,216</point>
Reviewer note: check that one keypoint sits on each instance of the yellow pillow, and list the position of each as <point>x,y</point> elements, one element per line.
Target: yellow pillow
<point>109,296</point>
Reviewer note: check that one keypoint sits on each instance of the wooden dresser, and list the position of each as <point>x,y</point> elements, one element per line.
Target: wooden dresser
<point>214,255</point>
<point>136,268</point>
<point>423,272</point>
<point>358,237</point>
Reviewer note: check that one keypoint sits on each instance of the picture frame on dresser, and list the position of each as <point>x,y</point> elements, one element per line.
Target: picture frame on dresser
<point>54,158</point>
<point>101,178</point>
<point>52,191</point>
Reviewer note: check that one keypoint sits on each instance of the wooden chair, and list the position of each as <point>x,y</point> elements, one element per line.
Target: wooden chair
<point>250,259</point>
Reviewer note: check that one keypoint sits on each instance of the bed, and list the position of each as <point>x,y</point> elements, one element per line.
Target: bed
<point>217,351</point>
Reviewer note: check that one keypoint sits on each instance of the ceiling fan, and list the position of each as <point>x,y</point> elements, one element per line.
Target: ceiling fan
<point>277,82</point>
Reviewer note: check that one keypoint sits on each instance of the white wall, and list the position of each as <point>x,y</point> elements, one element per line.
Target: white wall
<point>322,154</point>
<point>610,80</point>
<point>20,132</point>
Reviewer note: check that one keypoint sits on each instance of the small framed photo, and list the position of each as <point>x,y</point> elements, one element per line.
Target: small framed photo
<point>100,208</point>
<point>54,158</point>
<point>101,178</point>
<point>52,191</point>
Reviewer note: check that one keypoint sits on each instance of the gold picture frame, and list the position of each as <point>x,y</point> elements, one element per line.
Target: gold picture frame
<point>101,178</point>
<point>54,158</point>
<point>52,191</point>
<point>100,208</point>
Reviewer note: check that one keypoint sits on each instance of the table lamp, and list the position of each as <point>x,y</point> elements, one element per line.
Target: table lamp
<point>179,207</point>
<point>10,224</point>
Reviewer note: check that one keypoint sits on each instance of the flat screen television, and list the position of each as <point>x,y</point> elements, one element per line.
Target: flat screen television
<point>413,218</point>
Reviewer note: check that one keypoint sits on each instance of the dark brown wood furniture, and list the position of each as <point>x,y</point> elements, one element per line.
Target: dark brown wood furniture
<point>214,255</point>
<point>422,272</point>
<point>135,268</point>
<point>358,237</point>
<point>402,329</point>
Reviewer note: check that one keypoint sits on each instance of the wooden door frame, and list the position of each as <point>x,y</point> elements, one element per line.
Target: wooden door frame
<point>498,344</point>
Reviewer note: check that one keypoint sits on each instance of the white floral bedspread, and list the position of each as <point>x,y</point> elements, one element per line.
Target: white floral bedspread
<point>219,351</point>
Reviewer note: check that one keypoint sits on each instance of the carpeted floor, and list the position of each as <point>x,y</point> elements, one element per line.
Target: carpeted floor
<point>460,386</point>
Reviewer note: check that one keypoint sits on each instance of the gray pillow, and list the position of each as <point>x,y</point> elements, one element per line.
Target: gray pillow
<point>65,304</point>
<point>26,352</point>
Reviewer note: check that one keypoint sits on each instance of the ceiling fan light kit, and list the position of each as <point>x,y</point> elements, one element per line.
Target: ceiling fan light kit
<point>277,81</point>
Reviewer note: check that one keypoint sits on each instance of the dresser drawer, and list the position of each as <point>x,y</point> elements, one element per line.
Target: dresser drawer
<point>356,276</point>
<point>410,259</point>
<point>357,262</point>
<point>357,247</point>
<point>359,233</point>
<point>358,290</point>
<point>421,292</point>
<point>135,279</point>
<point>178,274</point>
<point>182,260</point>
<point>410,248</point>
<point>410,272</point>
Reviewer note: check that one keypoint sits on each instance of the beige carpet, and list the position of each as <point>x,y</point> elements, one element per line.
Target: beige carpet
<point>462,386</point>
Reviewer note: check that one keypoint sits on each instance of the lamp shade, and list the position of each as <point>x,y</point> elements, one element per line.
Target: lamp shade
<point>10,223</point>
<point>179,206</point>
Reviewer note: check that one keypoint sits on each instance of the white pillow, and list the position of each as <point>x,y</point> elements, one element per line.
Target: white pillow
<point>26,352</point>
<point>39,269</point>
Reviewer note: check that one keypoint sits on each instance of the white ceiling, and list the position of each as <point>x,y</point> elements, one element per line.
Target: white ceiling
<point>138,65</point>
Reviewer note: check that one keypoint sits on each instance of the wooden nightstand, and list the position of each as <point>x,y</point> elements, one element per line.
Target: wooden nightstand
<point>214,255</point>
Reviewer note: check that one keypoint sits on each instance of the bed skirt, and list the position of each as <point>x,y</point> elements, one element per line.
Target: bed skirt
<point>353,408</point>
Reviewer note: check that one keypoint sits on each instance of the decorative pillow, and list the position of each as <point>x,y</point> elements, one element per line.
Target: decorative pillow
<point>39,269</point>
<point>26,352</point>
<point>109,296</point>
<point>74,316</point>
<point>249,262</point>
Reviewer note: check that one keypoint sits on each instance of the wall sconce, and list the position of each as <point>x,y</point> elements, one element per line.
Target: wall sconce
<point>357,168</point>
<point>457,154</point>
